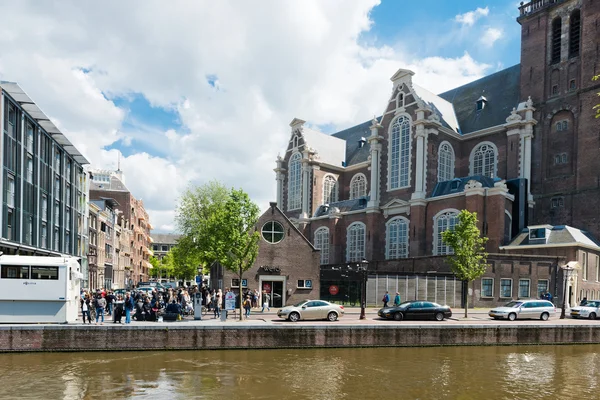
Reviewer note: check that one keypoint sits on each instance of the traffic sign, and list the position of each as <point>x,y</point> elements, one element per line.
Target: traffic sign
<point>333,290</point>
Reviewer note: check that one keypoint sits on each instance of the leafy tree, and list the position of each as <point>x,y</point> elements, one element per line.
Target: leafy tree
<point>185,259</point>
<point>217,225</point>
<point>597,106</point>
<point>469,259</point>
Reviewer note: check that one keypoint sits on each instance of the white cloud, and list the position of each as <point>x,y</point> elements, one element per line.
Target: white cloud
<point>469,18</point>
<point>273,62</point>
<point>490,36</point>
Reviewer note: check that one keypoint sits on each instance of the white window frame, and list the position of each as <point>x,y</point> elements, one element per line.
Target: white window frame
<point>304,286</point>
<point>491,294</point>
<point>528,288</point>
<point>244,283</point>
<point>30,134</point>
<point>294,199</point>
<point>584,266</point>
<point>403,167</point>
<point>356,239</point>
<point>29,176</point>
<point>358,186</point>
<point>439,248</point>
<point>321,242</point>
<point>511,288</point>
<point>397,253</point>
<point>44,235</point>
<point>44,207</point>
<point>330,189</point>
<point>446,162</point>
<point>597,269</point>
<point>56,238</point>
<point>484,165</point>
<point>56,213</point>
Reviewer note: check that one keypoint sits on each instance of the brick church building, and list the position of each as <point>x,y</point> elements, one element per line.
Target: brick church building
<point>521,147</point>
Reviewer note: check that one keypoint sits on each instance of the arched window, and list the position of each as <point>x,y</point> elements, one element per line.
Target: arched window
<point>396,238</point>
<point>400,99</point>
<point>358,186</point>
<point>322,243</point>
<point>330,190</point>
<point>445,162</point>
<point>443,221</point>
<point>294,182</point>
<point>556,36</point>
<point>484,160</point>
<point>399,153</point>
<point>355,242</point>
<point>574,33</point>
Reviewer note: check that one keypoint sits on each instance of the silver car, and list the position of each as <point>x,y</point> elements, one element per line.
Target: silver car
<point>591,310</point>
<point>311,309</point>
<point>524,309</point>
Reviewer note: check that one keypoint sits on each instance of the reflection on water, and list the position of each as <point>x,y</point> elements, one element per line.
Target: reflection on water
<point>541,372</point>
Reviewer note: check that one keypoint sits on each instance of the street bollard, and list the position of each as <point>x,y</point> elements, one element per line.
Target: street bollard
<point>223,315</point>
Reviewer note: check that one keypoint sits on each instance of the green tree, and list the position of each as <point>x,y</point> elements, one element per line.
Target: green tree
<point>597,106</point>
<point>162,268</point>
<point>469,259</point>
<point>185,259</point>
<point>217,225</point>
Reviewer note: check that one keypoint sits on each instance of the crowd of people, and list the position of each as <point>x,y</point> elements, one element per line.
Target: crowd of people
<point>146,305</point>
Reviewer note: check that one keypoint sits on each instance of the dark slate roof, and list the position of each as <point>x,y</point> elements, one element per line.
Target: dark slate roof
<point>343,206</point>
<point>559,234</point>
<point>354,153</point>
<point>502,91</point>
<point>457,185</point>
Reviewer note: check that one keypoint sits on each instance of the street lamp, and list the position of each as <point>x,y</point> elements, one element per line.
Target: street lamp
<point>363,267</point>
<point>569,270</point>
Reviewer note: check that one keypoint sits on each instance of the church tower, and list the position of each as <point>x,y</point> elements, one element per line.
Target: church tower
<point>559,57</point>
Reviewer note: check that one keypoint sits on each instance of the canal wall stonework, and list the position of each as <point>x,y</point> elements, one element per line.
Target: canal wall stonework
<point>119,338</point>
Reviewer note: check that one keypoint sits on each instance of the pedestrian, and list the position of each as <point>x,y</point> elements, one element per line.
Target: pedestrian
<point>247,306</point>
<point>85,308</point>
<point>128,307</point>
<point>397,299</point>
<point>218,301</point>
<point>100,307</point>
<point>110,299</point>
<point>386,299</point>
<point>255,298</point>
<point>583,301</point>
<point>265,302</point>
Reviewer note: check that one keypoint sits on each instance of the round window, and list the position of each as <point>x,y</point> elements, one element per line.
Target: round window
<point>272,232</point>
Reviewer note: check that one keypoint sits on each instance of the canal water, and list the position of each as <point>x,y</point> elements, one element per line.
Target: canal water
<point>540,372</point>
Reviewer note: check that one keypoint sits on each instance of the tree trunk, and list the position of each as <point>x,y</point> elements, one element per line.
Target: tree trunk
<point>241,295</point>
<point>467,301</point>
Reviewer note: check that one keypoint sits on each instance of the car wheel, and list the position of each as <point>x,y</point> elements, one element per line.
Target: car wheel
<point>439,316</point>
<point>294,317</point>
<point>512,316</point>
<point>398,316</point>
<point>592,316</point>
<point>332,316</point>
<point>544,316</point>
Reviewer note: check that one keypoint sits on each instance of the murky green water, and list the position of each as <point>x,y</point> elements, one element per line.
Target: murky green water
<point>541,372</point>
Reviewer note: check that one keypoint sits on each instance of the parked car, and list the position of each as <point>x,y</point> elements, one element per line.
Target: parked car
<point>523,309</point>
<point>416,309</point>
<point>170,285</point>
<point>311,309</point>
<point>153,284</point>
<point>590,310</point>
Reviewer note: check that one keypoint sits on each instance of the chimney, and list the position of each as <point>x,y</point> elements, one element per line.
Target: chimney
<point>361,142</point>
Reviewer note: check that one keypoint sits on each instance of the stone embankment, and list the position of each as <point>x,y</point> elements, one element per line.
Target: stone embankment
<point>27,338</point>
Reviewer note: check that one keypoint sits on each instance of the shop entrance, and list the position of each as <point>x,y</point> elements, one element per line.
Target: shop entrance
<point>274,290</point>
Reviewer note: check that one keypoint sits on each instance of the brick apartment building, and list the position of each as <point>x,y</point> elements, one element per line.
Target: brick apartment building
<point>110,185</point>
<point>520,147</point>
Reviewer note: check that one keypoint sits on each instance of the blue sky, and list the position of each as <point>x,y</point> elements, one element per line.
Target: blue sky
<point>205,90</point>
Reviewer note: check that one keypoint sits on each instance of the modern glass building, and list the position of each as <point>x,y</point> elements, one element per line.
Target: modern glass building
<point>44,186</point>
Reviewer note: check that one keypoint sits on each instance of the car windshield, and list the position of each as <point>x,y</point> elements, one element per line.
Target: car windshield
<point>405,304</point>
<point>592,304</point>
<point>300,304</point>
<point>514,304</point>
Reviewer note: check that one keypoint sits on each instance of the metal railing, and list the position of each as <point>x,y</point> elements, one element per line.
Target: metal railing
<point>535,5</point>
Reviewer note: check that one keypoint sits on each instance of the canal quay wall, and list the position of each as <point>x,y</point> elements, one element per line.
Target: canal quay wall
<point>47,338</point>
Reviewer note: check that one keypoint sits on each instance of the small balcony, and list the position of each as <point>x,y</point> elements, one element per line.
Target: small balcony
<point>533,6</point>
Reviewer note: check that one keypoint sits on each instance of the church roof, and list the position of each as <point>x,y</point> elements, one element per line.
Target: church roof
<point>354,152</point>
<point>331,149</point>
<point>501,91</point>
<point>559,235</point>
<point>457,185</point>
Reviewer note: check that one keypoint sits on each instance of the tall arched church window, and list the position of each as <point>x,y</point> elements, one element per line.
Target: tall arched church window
<point>556,36</point>
<point>321,242</point>
<point>358,186</point>
<point>574,33</point>
<point>484,160</point>
<point>330,190</point>
<point>355,242</point>
<point>295,182</point>
<point>399,153</point>
<point>445,162</point>
<point>396,238</point>
<point>445,220</point>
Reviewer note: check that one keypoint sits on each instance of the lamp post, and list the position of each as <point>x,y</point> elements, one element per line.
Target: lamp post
<point>568,274</point>
<point>364,264</point>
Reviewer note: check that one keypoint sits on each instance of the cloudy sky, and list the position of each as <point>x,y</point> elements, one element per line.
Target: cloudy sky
<point>190,91</point>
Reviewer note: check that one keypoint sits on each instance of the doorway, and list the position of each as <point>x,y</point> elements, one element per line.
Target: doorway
<point>274,290</point>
